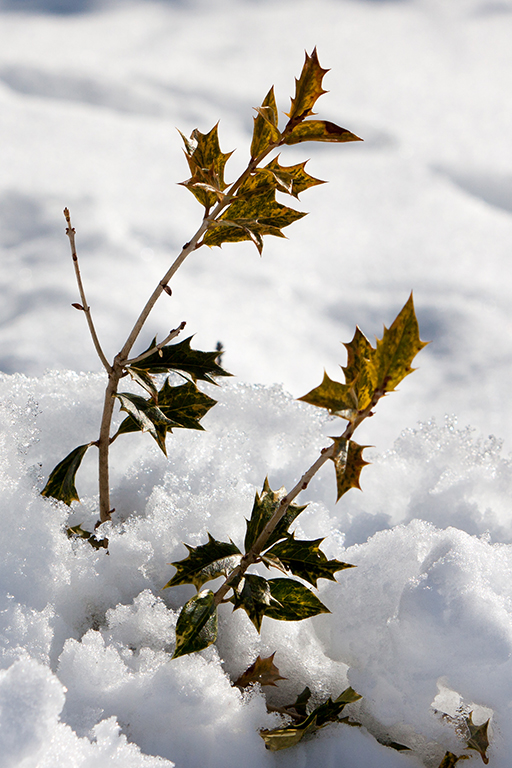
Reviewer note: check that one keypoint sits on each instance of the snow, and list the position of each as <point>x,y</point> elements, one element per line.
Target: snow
<point>91,94</point>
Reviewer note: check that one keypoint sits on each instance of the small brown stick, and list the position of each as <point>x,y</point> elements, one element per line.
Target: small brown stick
<point>172,335</point>
<point>70,232</point>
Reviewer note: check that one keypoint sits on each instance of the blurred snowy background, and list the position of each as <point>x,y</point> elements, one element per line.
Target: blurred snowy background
<point>90,96</point>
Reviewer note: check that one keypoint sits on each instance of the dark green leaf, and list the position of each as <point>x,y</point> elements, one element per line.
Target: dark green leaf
<point>147,416</point>
<point>78,531</point>
<point>318,130</point>
<point>204,563</point>
<point>206,163</point>
<point>180,357</point>
<point>301,702</point>
<point>297,602</point>
<point>254,596</point>
<point>306,560</point>
<point>144,380</point>
<point>348,462</point>
<point>265,132</point>
<point>262,671</point>
<point>308,88</point>
<point>196,627</point>
<point>61,483</point>
<point>264,508</point>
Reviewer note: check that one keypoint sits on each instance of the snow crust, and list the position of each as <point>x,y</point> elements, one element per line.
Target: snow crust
<point>421,626</point>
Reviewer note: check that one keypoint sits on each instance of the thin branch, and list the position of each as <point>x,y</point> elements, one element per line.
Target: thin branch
<point>70,232</point>
<point>172,335</point>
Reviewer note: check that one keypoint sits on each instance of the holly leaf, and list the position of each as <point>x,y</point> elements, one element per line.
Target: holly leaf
<point>301,702</point>
<point>295,601</point>
<point>61,483</point>
<point>308,88</point>
<point>144,380</point>
<point>206,163</point>
<point>371,372</point>
<point>180,357</point>
<point>478,737</point>
<point>205,563</point>
<point>450,760</point>
<point>348,462</point>
<point>318,130</point>
<point>397,349</point>
<point>146,416</point>
<point>264,508</point>
<point>283,738</point>
<point>196,627</point>
<point>291,179</point>
<point>253,594</point>
<point>306,560</point>
<point>265,131</point>
<point>77,530</point>
<point>262,671</point>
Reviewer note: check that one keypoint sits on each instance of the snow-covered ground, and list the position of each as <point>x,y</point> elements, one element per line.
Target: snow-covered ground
<point>90,96</point>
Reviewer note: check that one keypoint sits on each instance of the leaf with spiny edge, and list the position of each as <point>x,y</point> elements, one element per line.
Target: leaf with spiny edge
<point>397,349</point>
<point>301,702</point>
<point>306,560</point>
<point>478,737</point>
<point>371,372</point>
<point>196,627</point>
<point>61,483</point>
<point>318,130</point>
<point>264,508</point>
<point>308,88</point>
<point>206,163</point>
<point>262,671</point>
<point>77,530</point>
<point>253,594</point>
<point>265,131</point>
<point>295,602</point>
<point>205,563</point>
<point>145,416</point>
<point>181,357</point>
<point>292,179</point>
<point>348,462</point>
<point>144,380</point>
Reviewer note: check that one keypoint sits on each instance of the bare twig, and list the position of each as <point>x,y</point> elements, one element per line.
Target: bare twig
<point>172,335</point>
<point>70,232</point>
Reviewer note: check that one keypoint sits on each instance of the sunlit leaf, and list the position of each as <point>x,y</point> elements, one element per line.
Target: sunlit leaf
<point>308,88</point>
<point>204,563</point>
<point>262,671</point>
<point>264,508</point>
<point>296,602</point>
<point>348,462</point>
<point>450,760</point>
<point>283,738</point>
<point>318,130</point>
<point>306,560</point>
<point>147,416</point>
<point>336,397</point>
<point>196,627</point>
<point>265,131</point>
<point>143,379</point>
<point>79,532</point>
<point>61,483</point>
<point>206,163</point>
<point>292,179</point>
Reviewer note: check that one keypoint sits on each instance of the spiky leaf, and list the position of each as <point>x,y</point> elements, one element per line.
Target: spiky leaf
<point>196,627</point>
<point>265,131</point>
<point>478,737</point>
<point>348,462</point>
<point>78,531</point>
<point>180,357</point>
<point>262,671</point>
<point>306,560</point>
<point>283,738</point>
<point>360,374</point>
<point>206,163</point>
<point>295,601</point>
<point>318,130</point>
<point>301,702</point>
<point>144,380</point>
<point>264,508</point>
<point>254,596</point>
<point>292,179</point>
<point>205,563</point>
<point>61,483</point>
<point>336,397</point>
<point>308,88</point>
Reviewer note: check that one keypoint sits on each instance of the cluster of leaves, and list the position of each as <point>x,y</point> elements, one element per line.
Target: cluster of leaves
<point>164,409</point>
<point>284,599</point>
<point>248,209</point>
